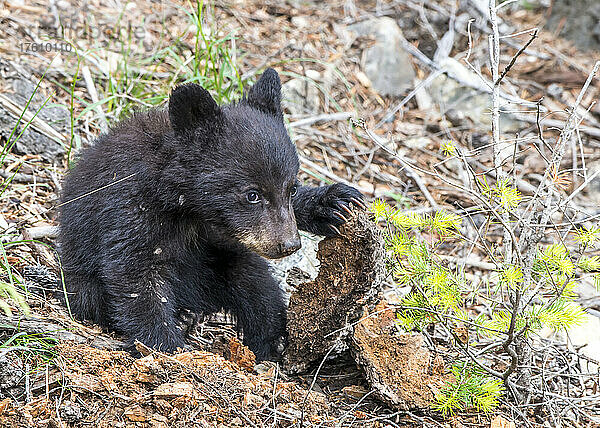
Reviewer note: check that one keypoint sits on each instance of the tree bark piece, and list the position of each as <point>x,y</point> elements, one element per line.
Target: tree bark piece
<point>397,365</point>
<point>322,312</point>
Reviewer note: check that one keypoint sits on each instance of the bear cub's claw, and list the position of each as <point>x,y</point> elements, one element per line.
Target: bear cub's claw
<point>336,206</point>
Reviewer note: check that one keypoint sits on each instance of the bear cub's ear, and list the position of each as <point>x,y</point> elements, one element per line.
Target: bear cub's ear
<point>266,93</point>
<point>190,105</point>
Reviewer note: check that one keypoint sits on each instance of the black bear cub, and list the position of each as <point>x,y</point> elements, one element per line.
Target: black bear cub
<point>172,210</point>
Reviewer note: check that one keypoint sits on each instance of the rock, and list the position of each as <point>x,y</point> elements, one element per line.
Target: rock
<point>33,142</point>
<point>459,102</point>
<point>304,260</point>
<point>583,28</point>
<point>12,374</point>
<point>301,95</point>
<point>63,4</point>
<point>585,287</point>
<point>321,312</point>
<point>174,390</point>
<point>300,22</point>
<point>366,187</point>
<point>585,338</point>
<point>397,365</point>
<point>135,414</point>
<point>387,65</point>
<point>416,142</point>
<point>70,411</point>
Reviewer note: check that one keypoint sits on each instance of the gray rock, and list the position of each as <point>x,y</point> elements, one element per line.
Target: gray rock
<point>12,374</point>
<point>416,142</point>
<point>304,259</point>
<point>301,95</point>
<point>33,142</point>
<point>300,22</point>
<point>585,338</point>
<point>579,21</point>
<point>458,102</point>
<point>70,411</point>
<point>387,65</point>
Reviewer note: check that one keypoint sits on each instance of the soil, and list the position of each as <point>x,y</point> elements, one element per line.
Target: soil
<point>220,385</point>
<point>192,389</point>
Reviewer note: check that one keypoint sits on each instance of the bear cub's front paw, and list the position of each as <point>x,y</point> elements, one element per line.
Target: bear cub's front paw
<point>334,207</point>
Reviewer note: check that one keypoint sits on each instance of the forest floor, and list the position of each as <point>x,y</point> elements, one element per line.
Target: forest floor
<point>348,127</point>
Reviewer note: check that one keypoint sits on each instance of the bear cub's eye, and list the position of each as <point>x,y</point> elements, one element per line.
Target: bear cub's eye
<point>253,197</point>
<point>294,191</point>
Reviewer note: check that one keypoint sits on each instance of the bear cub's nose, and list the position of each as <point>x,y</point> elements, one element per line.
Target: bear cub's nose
<point>288,247</point>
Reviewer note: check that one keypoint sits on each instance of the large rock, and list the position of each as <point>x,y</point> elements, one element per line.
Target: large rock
<point>32,141</point>
<point>459,102</point>
<point>387,64</point>
<point>585,339</point>
<point>301,95</point>
<point>578,20</point>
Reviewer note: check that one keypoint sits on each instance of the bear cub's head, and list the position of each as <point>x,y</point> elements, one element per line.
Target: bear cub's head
<point>240,166</point>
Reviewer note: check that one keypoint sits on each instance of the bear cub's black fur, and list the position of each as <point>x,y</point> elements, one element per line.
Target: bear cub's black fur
<point>172,210</point>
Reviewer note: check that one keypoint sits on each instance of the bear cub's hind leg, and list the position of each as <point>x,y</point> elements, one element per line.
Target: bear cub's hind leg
<point>144,307</point>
